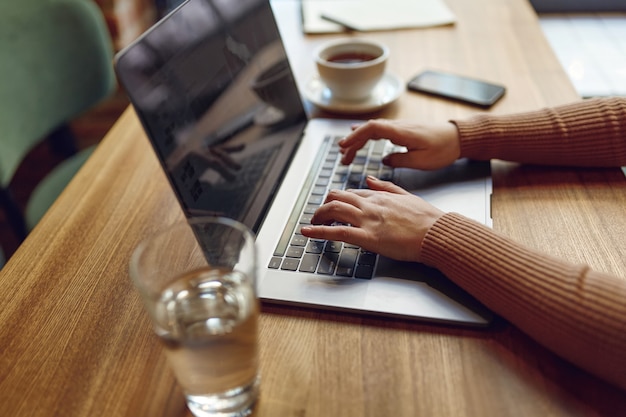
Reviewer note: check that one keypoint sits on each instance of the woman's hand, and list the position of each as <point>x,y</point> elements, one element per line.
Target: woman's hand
<point>384,219</point>
<point>431,146</point>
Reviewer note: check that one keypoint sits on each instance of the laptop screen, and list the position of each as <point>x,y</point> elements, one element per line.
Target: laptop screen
<point>215,93</point>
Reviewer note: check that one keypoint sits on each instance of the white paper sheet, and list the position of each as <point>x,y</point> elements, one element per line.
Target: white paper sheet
<point>373,15</point>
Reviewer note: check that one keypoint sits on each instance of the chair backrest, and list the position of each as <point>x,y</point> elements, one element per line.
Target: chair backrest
<point>55,63</point>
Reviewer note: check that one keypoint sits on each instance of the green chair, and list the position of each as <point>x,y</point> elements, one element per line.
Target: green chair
<point>55,63</point>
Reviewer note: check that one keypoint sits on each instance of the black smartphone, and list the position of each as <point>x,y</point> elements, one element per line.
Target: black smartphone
<point>457,87</point>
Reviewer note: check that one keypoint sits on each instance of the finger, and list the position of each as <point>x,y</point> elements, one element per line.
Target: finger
<point>353,142</point>
<point>401,159</point>
<point>376,184</point>
<point>348,154</point>
<point>337,211</point>
<point>352,235</point>
<point>347,196</point>
<point>416,159</point>
<point>362,133</point>
<point>355,137</point>
<point>372,130</point>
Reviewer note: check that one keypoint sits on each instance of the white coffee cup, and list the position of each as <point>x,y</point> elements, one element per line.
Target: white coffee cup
<point>351,68</point>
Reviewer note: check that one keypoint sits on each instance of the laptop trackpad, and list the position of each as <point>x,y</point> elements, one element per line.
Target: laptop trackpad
<point>461,171</point>
<point>414,276</point>
<point>464,187</point>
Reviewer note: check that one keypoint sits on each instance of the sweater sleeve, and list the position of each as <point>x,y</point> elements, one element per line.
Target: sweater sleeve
<point>578,313</point>
<point>589,133</point>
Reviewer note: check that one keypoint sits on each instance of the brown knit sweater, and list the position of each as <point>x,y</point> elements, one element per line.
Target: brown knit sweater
<point>578,313</point>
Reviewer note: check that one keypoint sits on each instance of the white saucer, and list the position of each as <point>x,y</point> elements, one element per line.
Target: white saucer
<point>386,92</point>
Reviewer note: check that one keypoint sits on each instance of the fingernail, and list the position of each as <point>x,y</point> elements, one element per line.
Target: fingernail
<point>386,160</point>
<point>372,178</point>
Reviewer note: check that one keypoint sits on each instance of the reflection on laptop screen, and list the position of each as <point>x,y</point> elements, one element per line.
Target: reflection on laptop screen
<point>217,97</point>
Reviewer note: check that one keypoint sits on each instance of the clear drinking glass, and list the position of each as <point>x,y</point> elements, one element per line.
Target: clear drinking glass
<point>197,280</point>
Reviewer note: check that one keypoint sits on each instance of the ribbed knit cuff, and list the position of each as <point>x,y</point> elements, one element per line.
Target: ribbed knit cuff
<point>586,133</point>
<point>452,241</point>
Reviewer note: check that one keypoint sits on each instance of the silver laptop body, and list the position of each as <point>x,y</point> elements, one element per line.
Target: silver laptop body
<point>213,88</point>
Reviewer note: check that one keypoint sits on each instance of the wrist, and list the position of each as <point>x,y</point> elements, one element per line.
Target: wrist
<point>453,138</point>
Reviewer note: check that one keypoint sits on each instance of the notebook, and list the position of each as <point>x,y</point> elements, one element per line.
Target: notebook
<point>213,88</point>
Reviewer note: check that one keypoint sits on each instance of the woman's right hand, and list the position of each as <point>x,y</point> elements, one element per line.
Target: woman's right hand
<point>429,146</point>
<point>383,218</point>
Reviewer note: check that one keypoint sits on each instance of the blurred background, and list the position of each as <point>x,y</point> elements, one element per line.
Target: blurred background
<point>86,121</point>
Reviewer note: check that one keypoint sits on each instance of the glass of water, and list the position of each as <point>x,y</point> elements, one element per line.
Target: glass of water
<point>197,280</point>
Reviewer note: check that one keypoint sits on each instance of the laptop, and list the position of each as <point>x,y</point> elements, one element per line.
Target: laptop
<point>213,88</point>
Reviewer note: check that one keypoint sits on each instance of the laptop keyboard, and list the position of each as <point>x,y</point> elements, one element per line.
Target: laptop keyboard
<point>296,252</point>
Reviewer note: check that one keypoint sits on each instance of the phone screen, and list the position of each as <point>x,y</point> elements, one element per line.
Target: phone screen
<point>456,87</point>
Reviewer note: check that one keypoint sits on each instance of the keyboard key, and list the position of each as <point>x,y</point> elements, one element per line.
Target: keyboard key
<point>294,252</point>
<point>315,246</point>
<point>347,260</point>
<point>367,258</point>
<point>386,174</point>
<point>309,262</point>
<point>325,173</point>
<point>319,191</point>
<point>299,240</point>
<point>379,147</point>
<point>328,263</point>
<point>372,167</point>
<point>340,177</point>
<point>322,182</point>
<point>290,264</point>
<point>274,263</point>
<point>332,246</point>
<point>316,199</point>
<point>354,181</point>
<point>310,208</point>
<point>358,168</point>
<point>364,271</point>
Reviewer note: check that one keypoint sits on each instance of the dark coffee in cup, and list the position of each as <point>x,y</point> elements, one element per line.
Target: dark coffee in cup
<point>351,58</point>
<point>350,68</point>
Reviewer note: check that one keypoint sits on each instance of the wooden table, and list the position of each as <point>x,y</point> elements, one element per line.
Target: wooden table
<point>75,341</point>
